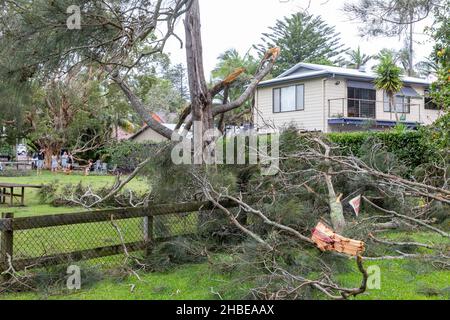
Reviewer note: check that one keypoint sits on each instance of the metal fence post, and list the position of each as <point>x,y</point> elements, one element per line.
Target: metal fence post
<point>148,234</point>
<point>6,245</point>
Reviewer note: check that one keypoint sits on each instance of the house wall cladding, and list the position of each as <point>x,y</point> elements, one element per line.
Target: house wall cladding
<point>336,91</point>
<point>311,118</point>
<point>150,135</point>
<point>315,115</point>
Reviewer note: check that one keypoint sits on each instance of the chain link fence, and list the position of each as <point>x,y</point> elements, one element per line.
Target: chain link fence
<point>99,237</point>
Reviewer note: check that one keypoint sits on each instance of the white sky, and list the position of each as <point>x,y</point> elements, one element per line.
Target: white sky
<point>239,24</point>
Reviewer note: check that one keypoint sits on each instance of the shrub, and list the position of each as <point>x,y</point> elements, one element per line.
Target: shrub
<point>126,155</point>
<point>48,193</point>
<point>437,138</point>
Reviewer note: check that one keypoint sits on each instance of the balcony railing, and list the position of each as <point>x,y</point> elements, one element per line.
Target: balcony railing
<point>367,109</point>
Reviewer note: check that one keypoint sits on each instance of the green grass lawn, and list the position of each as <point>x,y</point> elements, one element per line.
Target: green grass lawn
<point>400,279</point>
<point>406,279</point>
<point>187,282</point>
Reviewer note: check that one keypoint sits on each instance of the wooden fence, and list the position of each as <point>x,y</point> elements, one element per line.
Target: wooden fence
<point>10,226</point>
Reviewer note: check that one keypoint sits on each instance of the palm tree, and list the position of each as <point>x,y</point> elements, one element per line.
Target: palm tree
<point>384,52</point>
<point>400,57</point>
<point>389,79</point>
<point>427,67</point>
<point>229,62</point>
<point>357,59</point>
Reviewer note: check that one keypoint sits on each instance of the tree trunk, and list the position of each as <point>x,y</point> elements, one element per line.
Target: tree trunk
<point>334,201</point>
<point>140,108</point>
<point>392,105</point>
<point>50,150</point>
<point>410,50</point>
<point>201,100</point>
<point>336,208</point>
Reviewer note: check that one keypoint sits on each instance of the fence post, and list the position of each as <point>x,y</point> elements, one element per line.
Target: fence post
<point>6,245</point>
<point>148,234</point>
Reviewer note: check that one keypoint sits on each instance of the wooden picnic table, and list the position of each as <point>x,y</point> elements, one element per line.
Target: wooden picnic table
<point>7,189</point>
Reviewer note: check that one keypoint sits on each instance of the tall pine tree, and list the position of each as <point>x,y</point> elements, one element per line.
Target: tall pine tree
<point>302,38</point>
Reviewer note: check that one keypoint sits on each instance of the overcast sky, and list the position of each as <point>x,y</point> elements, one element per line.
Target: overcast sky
<point>239,23</point>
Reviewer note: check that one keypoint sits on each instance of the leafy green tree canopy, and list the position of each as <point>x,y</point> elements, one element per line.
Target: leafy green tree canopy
<point>440,32</point>
<point>228,62</point>
<point>38,40</point>
<point>302,38</point>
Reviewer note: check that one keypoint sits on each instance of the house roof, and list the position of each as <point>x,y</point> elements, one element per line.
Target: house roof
<point>146,127</point>
<point>308,70</point>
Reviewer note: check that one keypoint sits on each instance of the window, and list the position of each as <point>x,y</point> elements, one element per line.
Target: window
<point>361,102</point>
<point>290,98</point>
<point>402,104</point>
<point>429,102</point>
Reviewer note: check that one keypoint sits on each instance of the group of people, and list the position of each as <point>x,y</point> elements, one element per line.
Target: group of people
<point>64,161</point>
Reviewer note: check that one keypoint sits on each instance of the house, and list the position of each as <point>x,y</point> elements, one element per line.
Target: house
<point>331,99</point>
<point>148,135</point>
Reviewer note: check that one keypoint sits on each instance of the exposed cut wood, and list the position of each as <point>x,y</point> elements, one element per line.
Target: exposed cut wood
<point>327,240</point>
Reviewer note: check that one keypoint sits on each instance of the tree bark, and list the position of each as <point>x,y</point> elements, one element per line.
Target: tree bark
<point>410,49</point>
<point>201,100</point>
<point>336,208</point>
<point>140,108</point>
<point>392,104</point>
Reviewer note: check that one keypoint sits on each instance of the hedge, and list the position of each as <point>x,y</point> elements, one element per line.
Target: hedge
<point>408,146</point>
<point>127,155</point>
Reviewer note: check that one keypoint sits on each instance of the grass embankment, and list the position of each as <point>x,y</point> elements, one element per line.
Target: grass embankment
<point>400,279</point>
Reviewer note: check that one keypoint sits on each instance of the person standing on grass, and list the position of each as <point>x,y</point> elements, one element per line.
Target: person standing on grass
<point>34,161</point>
<point>54,163</point>
<point>40,161</point>
<point>64,161</point>
<point>89,166</point>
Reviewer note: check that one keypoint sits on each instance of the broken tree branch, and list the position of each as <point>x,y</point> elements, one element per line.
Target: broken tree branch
<point>419,222</point>
<point>393,243</point>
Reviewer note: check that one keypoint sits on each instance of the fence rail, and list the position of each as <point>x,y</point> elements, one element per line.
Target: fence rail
<point>36,241</point>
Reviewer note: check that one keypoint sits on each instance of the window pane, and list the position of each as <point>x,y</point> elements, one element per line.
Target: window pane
<point>351,93</point>
<point>399,103</point>
<point>429,102</point>
<point>288,99</point>
<point>407,105</point>
<point>300,97</point>
<point>276,100</point>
